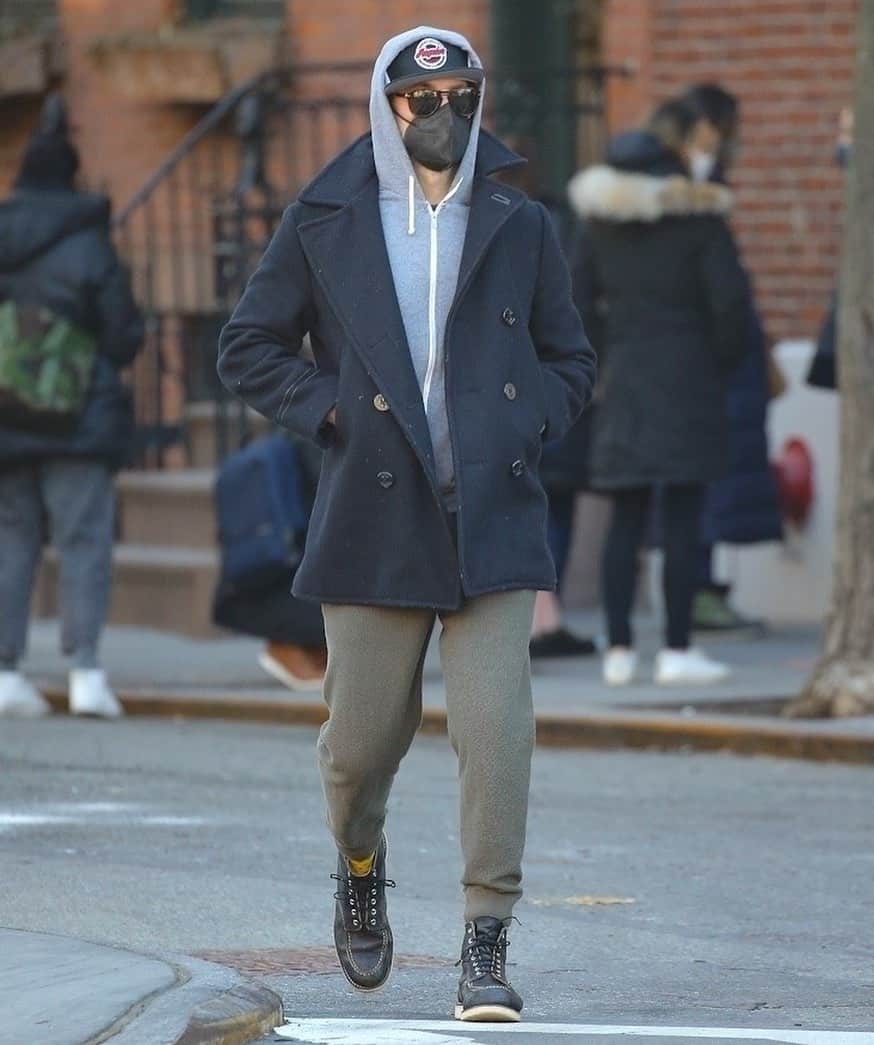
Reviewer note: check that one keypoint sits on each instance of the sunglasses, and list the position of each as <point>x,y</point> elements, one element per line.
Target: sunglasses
<point>425,101</point>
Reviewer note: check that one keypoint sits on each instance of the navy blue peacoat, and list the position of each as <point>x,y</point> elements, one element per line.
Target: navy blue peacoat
<point>519,369</point>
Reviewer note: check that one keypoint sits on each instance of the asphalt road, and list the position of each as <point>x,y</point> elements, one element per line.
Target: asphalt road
<point>662,891</point>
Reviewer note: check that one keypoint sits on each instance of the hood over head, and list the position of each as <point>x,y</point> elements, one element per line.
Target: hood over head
<point>50,162</point>
<point>33,221</point>
<point>394,167</point>
<point>643,181</point>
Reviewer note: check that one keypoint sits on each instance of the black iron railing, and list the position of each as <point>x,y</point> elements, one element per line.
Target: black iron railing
<point>197,227</point>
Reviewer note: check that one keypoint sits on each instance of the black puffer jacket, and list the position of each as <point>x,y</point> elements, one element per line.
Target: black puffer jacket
<point>55,250</point>
<point>658,272</point>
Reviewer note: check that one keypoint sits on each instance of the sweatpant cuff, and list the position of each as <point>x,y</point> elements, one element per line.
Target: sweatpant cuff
<point>487,903</point>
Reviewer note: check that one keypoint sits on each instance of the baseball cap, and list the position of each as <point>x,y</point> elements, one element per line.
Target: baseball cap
<point>426,59</point>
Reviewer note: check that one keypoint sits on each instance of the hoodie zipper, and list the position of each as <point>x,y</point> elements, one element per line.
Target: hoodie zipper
<point>434,213</point>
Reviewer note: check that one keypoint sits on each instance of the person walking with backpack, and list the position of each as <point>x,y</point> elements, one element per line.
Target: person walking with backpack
<point>68,322</point>
<point>447,349</point>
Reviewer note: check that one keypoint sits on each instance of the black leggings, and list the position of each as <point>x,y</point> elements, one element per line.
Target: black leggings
<point>681,511</point>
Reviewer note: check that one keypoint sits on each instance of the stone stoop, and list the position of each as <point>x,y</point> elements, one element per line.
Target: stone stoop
<point>170,508</point>
<point>166,560</point>
<point>160,588</point>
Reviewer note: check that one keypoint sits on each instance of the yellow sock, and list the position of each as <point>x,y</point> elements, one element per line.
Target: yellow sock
<point>362,867</point>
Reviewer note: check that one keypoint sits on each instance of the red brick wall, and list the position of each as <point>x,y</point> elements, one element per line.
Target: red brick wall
<point>352,30</point>
<point>791,64</point>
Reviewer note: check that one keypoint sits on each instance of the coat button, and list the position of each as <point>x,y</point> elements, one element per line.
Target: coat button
<point>517,468</point>
<point>510,390</point>
<point>386,480</point>
<point>380,403</point>
<point>508,316</point>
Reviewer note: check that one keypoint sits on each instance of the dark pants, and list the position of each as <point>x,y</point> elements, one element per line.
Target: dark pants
<point>705,578</point>
<point>560,527</point>
<point>681,509</point>
<point>270,613</point>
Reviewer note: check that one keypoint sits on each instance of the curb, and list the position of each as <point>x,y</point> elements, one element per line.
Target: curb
<point>602,730</point>
<point>237,1016</point>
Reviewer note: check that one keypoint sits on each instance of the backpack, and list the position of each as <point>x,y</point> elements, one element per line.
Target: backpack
<point>46,368</point>
<point>262,515</point>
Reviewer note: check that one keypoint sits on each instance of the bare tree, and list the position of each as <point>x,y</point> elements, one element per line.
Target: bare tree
<point>842,682</point>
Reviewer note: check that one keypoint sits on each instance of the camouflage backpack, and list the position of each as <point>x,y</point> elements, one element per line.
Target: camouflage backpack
<point>46,367</point>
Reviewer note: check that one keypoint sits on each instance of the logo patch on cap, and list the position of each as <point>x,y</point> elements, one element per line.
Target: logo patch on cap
<point>430,54</point>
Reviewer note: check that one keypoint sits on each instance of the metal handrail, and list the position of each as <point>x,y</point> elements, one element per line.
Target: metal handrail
<point>197,133</point>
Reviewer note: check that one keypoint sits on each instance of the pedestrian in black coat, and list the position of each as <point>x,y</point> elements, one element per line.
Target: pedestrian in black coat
<point>55,249</point>
<point>447,349</point>
<point>56,253</point>
<point>743,506</point>
<point>659,260</point>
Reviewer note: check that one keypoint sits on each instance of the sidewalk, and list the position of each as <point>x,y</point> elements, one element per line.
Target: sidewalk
<point>70,992</point>
<point>158,673</point>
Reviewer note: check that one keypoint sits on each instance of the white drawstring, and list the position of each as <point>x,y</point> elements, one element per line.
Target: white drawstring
<point>411,209</point>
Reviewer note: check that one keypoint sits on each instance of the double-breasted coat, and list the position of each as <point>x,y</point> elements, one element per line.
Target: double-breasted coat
<point>519,369</point>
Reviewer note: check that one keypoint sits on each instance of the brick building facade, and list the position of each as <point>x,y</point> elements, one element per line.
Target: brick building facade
<point>137,83</point>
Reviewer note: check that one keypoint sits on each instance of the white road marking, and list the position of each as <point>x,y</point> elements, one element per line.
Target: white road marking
<point>447,1032</point>
<point>92,814</point>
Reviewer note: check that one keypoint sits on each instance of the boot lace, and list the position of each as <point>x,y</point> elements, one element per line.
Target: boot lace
<point>362,896</point>
<point>486,954</point>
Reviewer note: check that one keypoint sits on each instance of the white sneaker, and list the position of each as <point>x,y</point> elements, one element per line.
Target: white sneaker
<point>691,666</point>
<point>20,698</point>
<point>90,694</point>
<point>620,666</point>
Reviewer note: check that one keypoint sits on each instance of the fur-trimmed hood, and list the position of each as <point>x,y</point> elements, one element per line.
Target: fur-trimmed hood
<point>643,181</point>
<point>613,195</point>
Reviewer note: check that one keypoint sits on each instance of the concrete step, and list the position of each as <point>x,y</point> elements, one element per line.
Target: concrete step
<point>203,424</point>
<point>163,588</point>
<point>167,508</point>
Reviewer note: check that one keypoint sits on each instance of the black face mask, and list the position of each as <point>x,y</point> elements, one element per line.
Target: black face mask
<point>439,141</point>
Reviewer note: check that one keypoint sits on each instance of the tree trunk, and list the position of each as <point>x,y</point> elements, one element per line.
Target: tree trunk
<point>842,682</point>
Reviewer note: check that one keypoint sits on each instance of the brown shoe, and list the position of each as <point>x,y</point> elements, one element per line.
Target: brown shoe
<point>298,667</point>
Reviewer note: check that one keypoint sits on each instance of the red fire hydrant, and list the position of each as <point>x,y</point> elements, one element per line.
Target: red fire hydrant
<point>793,469</point>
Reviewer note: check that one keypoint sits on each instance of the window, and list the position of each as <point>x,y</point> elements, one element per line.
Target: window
<point>201,9</point>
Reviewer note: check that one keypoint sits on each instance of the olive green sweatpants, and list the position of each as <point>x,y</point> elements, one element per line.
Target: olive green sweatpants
<point>373,689</point>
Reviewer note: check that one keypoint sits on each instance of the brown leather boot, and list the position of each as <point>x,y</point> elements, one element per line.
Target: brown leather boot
<point>298,667</point>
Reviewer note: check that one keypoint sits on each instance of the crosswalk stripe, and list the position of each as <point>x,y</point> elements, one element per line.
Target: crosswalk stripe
<point>92,814</point>
<point>445,1032</point>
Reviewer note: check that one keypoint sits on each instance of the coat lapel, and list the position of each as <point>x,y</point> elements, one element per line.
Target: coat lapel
<point>348,256</point>
<point>490,206</point>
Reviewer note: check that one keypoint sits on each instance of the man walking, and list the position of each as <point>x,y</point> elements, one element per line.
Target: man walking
<point>447,349</point>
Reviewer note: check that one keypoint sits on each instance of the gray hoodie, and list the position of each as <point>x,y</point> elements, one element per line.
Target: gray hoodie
<point>424,243</point>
